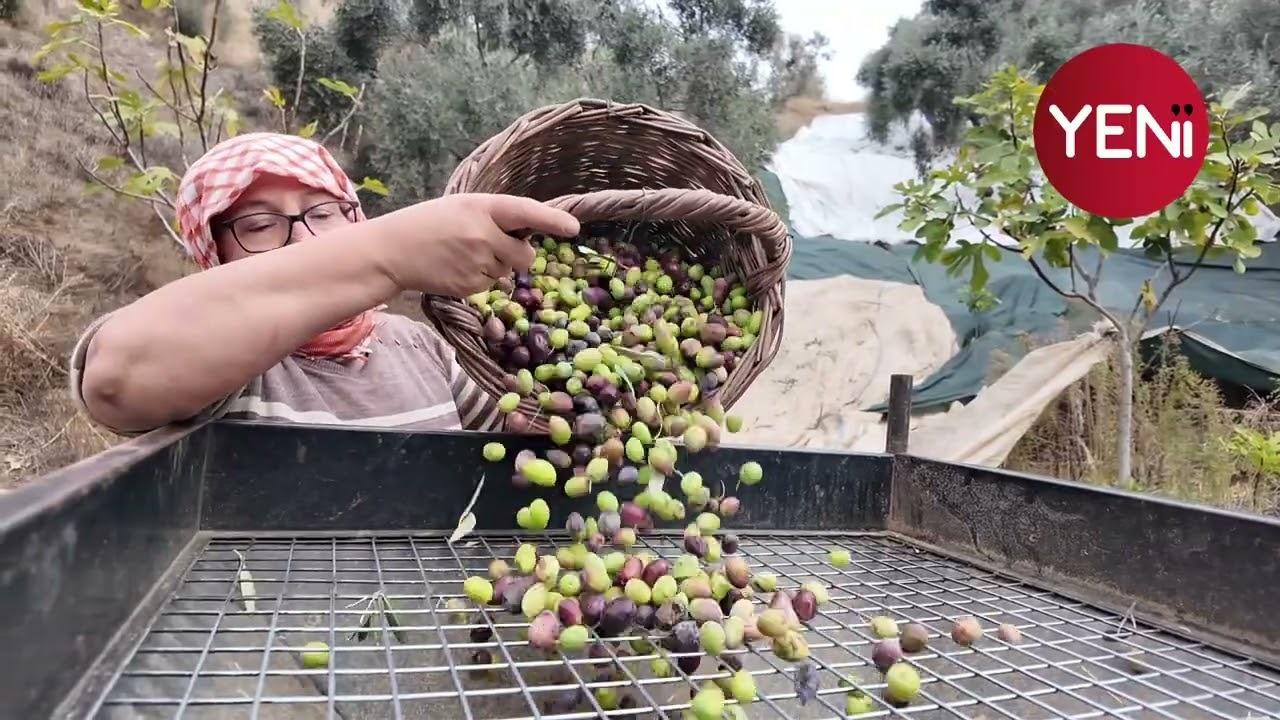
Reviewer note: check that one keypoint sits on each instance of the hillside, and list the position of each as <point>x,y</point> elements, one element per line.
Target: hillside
<point>68,255</point>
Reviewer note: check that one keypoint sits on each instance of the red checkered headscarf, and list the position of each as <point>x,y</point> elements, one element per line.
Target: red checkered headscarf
<point>214,182</point>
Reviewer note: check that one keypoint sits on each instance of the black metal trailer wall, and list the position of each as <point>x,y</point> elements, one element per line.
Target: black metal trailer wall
<point>81,549</point>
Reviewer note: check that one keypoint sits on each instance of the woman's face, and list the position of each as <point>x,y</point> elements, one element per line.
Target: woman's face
<point>245,229</point>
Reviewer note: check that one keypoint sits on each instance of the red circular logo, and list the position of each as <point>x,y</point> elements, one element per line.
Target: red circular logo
<point>1121,130</point>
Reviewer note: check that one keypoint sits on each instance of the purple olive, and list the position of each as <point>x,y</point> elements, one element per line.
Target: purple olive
<point>515,591</point>
<point>731,597</point>
<point>633,516</point>
<point>597,297</point>
<point>713,333</point>
<point>481,634</point>
<point>570,612</point>
<point>805,603</point>
<point>500,587</point>
<point>689,663</point>
<point>695,545</point>
<point>582,454</point>
<point>590,426</point>
<point>559,458</point>
<point>598,651</point>
<point>560,403</point>
<point>654,570</point>
<point>885,653</point>
<point>494,330</point>
<point>595,543</point>
<point>519,357</point>
<point>575,525</point>
<point>519,481</point>
<point>592,605</point>
<point>617,617</point>
<point>584,403</point>
<point>544,631</point>
<point>595,383</point>
<point>523,280</point>
<point>524,296</point>
<point>628,475</point>
<point>631,568</point>
<point>683,637</point>
<point>708,383</point>
<point>608,395</point>
<point>729,506</point>
<point>646,617</point>
<point>575,346</point>
<point>538,344</point>
<point>728,543</point>
<point>518,423</point>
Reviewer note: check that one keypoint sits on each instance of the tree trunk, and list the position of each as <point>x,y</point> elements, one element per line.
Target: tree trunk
<point>1124,431</point>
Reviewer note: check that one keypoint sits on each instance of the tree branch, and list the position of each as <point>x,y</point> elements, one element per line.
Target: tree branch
<point>110,186</point>
<point>204,73</point>
<point>88,96</point>
<point>302,69</point>
<point>106,80</point>
<point>1044,277</point>
<point>182,61</point>
<point>342,124</point>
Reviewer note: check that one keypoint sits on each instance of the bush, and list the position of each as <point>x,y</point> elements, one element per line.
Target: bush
<point>1182,436</point>
<point>324,58</point>
<point>431,106</point>
<point>952,45</point>
<point>9,9</point>
<point>363,28</point>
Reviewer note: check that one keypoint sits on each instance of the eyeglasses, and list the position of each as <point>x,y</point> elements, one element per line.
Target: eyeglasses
<point>263,231</point>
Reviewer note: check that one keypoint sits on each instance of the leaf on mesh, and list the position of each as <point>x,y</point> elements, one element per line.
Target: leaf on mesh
<point>467,520</point>
<point>247,589</point>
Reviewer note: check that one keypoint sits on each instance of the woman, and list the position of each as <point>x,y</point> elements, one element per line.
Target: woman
<point>284,322</point>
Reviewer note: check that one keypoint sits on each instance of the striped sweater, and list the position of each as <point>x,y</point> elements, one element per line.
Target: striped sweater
<point>411,381</point>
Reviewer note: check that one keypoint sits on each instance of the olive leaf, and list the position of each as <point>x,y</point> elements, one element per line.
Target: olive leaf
<point>247,588</point>
<point>392,620</point>
<point>467,520</point>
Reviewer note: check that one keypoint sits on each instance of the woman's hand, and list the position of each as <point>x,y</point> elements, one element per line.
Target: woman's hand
<point>459,244</point>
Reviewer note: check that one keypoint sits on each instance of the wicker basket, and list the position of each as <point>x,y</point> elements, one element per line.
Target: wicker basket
<point>603,161</point>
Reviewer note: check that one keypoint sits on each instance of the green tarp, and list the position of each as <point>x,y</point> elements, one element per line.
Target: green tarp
<point>1228,323</point>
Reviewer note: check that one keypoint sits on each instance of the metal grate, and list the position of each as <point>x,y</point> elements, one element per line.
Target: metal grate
<point>205,655</point>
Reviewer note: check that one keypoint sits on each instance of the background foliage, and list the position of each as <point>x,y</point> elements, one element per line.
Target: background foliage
<point>953,45</point>
<point>443,75</point>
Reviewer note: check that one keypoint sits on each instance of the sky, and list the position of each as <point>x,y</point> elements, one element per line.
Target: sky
<point>856,28</point>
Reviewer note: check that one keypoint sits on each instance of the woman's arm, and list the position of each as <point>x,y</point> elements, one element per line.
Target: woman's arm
<point>189,344</point>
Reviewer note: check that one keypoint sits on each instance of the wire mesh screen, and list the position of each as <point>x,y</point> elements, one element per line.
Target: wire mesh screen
<point>215,652</point>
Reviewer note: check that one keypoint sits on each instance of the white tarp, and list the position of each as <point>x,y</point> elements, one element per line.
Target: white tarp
<point>845,336</point>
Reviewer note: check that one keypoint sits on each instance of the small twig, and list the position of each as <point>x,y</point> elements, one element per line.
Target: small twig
<point>110,186</point>
<point>302,65</point>
<point>182,62</point>
<point>346,119</point>
<point>106,80</point>
<point>206,66</point>
<point>88,96</point>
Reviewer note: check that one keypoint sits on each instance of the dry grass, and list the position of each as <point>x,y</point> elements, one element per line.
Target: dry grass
<point>65,257</point>
<point>1180,424</point>
<point>800,111</point>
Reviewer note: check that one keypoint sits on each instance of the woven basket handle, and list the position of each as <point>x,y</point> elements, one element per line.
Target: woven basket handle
<point>736,214</point>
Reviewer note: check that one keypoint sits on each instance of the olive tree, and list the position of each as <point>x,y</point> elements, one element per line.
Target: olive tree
<point>160,118</point>
<point>995,185</point>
